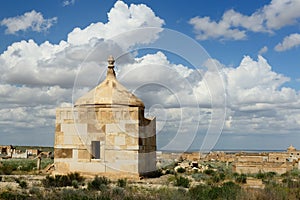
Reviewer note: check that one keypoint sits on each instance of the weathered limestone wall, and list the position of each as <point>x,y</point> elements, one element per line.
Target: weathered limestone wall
<point>293,155</point>
<point>252,168</point>
<point>7,150</point>
<point>278,156</point>
<point>147,146</point>
<point>251,158</point>
<point>126,139</point>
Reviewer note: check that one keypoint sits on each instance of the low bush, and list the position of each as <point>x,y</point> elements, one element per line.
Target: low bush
<point>209,172</point>
<point>75,184</point>
<point>99,183</point>
<point>6,170</point>
<point>13,195</point>
<point>23,184</point>
<point>169,171</point>
<point>118,191</point>
<point>200,177</point>
<point>35,191</point>
<point>23,166</point>
<point>228,190</point>
<point>180,170</point>
<point>199,192</point>
<point>71,179</point>
<point>182,181</point>
<point>122,182</point>
<point>242,178</point>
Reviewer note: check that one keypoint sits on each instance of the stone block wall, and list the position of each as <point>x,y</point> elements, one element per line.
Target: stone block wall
<point>278,156</point>
<point>126,139</point>
<point>251,158</point>
<point>253,168</point>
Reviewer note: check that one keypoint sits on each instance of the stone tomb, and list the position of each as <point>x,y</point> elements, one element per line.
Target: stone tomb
<point>105,133</point>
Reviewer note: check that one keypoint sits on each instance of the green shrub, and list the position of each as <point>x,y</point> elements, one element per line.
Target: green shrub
<point>98,183</point>
<point>122,182</point>
<point>13,195</point>
<point>199,192</point>
<point>228,190</point>
<point>260,175</point>
<point>222,176</point>
<point>182,181</point>
<point>23,184</point>
<point>21,165</point>
<point>35,191</point>
<point>291,183</point>
<point>70,194</point>
<point>216,178</point>
<point>49,181</point>
<point>162,193</point>
<point>6,170</point>
<point>209,172</point>
<point>242,178</point>
<point>169,171</point>
<point>180,170</point>
<point>75,184</point>
<point>215,193</point>
<point>198,176</point>
<point>295,173</point>
<point>63,180</point>
<point>118,191</point>
<point>75,176</point>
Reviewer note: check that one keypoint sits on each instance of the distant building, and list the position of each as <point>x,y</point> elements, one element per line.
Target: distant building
<point>105,133</point>
<point>7,150</point>
<point>33,152</point>
<point>219,156</point>
<point>293,154</point>
<point>279,162</point>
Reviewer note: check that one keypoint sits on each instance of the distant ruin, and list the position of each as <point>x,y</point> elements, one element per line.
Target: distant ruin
<point>242,162</point>
<point>7,150</point>
<point>279,162</point>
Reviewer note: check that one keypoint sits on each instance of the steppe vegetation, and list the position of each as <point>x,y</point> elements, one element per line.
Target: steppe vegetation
<point>22,166</point>
<point>216,182</point>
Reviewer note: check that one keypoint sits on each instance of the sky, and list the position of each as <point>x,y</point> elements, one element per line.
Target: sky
<point>216,74</point>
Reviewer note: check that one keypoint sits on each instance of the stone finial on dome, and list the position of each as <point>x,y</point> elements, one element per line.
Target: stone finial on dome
<point>111,61</point>
<point>291,148</point>
<point>109,92</point>
<point>110,71</point>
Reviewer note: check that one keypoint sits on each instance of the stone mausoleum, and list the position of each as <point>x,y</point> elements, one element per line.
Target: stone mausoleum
<point>105,133</point>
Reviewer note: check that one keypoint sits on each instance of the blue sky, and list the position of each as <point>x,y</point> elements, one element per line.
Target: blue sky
<point>253,44</point>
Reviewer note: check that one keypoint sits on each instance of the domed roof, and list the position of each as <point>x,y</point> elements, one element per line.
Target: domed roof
<point>291,148</point>
<point>110,92</point>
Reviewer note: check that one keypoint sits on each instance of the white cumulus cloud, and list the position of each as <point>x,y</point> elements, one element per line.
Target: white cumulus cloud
<point>289,42</point>
<point>121,20</point>
<point>68,2</point>
<point>257,101</point>
<point>263,50</point>
<point>206,28</point>
<point>36,78</point>
<point>30,20</point>
<point>234,25</point>
<point>281,13</point>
